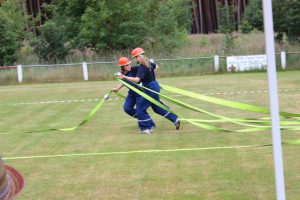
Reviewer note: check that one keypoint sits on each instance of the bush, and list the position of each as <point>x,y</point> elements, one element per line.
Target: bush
<point>11,31</point>
<point>286,18</point>
<point>103,26</point>
<point>227,25</point>
<point>253,17</point>
<point>49,46</point>
<point>8,44</point>
<point>167,31</point>
<point>246,27</point>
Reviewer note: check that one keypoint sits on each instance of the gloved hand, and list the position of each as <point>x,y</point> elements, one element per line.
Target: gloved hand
<point>105,97</point>
<point>118,74</point>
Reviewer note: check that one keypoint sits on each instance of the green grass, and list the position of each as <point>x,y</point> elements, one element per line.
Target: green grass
<point>209,174</point>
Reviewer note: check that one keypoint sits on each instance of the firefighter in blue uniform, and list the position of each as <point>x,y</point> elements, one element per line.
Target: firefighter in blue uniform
<point>146,75</point>
<point>132,97</point>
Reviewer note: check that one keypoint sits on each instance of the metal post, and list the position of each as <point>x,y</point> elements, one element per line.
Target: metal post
<point>283,59</point>
<point>217,63</point>
<point>85,71</point>
<point>20,73</point>
<point>273,95</point>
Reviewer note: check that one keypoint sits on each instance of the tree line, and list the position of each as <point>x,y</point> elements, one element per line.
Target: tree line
<point>109,25</point>
<point>206,14</point>
<point>104,25</point>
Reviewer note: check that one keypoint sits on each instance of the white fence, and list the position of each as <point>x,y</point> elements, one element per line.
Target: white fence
<point>85,75</point>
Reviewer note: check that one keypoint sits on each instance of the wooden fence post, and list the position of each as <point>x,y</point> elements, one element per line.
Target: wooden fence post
<point>20,73</point>
<point>283,59</point>
<point>217,63</point>
<point>85,71</point>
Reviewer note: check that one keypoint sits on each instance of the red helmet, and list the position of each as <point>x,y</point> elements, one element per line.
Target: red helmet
<point>137,51</point>
<point>124,61</point>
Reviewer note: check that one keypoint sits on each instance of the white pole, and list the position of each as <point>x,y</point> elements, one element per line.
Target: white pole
<point>85,71</point>
<point>283,59</point>
<point>20,73</point>
<point>217,63</point>
<point>273,95</point>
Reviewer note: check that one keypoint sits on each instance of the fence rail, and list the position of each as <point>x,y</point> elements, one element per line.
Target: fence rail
<point>209,64</point>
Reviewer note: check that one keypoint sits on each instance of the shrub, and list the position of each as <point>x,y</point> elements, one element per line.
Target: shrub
<point>8,44</point>
<point>49,46</point>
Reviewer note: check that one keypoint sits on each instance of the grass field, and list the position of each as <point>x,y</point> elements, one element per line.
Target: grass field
<point>241,173</point>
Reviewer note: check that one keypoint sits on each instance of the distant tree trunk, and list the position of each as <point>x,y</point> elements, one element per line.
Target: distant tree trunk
<point>33,17</point>
<point>201,16</point>
<point>39,12</point>
<point>196,21</point>
<point>239,14</point>
<point>218,22</point>
<point>31,7</point>
<point>208,8</point>
<point>24,8</point>
<point>227,10</point>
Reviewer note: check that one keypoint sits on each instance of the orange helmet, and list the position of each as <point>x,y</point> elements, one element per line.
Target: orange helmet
<point>124,61</point>
<point>137,51</point>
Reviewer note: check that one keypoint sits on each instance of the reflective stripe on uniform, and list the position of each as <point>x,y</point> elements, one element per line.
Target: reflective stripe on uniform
<point>144,120</point>
<point>166,114</point>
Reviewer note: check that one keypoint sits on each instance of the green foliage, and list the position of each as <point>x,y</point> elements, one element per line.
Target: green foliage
<point>227,24</point>
<point>287,19</point>
<point>8,43</point>
<point>253,17</point>
<point>226,18</point>
<point>11,31</point>
<point>11,11</point>
<point>229,42</point>
<point>102,25</point>
<point>204,41</point>
<point>49,46</point>
<point>246,27</point>
<point>68,13</point>
<point>106,26</point>
<point>167,26</point>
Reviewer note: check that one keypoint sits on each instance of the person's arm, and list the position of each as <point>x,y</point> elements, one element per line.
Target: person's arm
<point>154,65</point>
<point>131,79</point>
<point>116,89</point>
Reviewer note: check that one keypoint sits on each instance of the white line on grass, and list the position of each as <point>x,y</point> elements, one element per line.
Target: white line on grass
<point>133,152</point>
<point>93,100</point>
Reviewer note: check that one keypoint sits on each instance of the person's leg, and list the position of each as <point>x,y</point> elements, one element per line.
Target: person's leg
<point>144,120</point>
<point>158,110</point>
<point>166,114</point>
<point>129,104</point>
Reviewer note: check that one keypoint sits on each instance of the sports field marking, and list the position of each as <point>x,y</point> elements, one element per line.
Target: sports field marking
<point>55,101</point>
<point>134,152</point>
<point>93,100</point>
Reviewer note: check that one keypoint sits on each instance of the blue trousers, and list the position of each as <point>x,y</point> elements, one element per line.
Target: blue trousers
<point>129,106</point>
<point>144,119</point>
